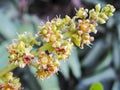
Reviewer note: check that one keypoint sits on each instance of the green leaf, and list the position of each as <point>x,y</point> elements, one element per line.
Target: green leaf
<point>94,2</point>
<point>106,75</point>
<point>74,63</point>
<point>110,23</point>
<point>118,31</point>
<point>11,12</point>
<point>3,55</point>
<point>94,55</point>
<point>7,27</point>
<point>116,85</point>
<point>49,84</point>
<point>105,63</point>
<point>36,20</point>
<point>64,69</point>
<point>29,25</point>
<point>96,86</point>
<point>116,54</point>
<point>25,27</point>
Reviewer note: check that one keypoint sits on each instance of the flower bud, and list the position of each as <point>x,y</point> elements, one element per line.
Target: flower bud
<point>82,13</point>
<point>44,32</point>
<point>103,16</point>
<point>76,39</point>
<point>110,14</point>
<point>101,21</point>
<point>93,15</point>
<point>12,57</point>
<point>98,7</point>
<point>67,18</point>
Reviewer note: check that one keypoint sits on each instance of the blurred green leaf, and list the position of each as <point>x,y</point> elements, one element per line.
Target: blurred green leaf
<point>3,55</point>
<point>106,75</point>
<point>11,11</point>
<point>105,63</point>
<point>30,24</point>
<point>36,20</point>
<point>64,69</point>
<point>116,54</point>
<point>110,23</point>
<point>50,83</point>
<point>94,55</point>
<point>7,27</point>
<point>25,28</point>
<point>74,63</point>
<point>118,31</point>
<point>116,85</point>
<point>94,2</point>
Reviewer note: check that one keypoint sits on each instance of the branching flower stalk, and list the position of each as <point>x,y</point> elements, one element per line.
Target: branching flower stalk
<point>58,36</point>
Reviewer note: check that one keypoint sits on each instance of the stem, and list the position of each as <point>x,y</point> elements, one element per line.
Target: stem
<point>1,81</point>
<point>45,47</point>
<point>68,34</point>
<point>7,69</point>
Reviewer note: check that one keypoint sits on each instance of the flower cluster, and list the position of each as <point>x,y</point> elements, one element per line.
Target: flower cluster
<point>58,36</point>
<point>19,54</point>
<point>101,14</point>
<point>87,22</point>
<point>82,36</point>
<point>20,50</point>
<point>46,65</point>
<point>10,82</point>
<point>62,49</point>
<point>50,33</point>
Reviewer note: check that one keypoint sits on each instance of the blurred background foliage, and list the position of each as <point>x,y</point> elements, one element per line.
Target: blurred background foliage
<point>101,63</point>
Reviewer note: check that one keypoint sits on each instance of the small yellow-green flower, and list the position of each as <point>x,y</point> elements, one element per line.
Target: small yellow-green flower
<point>10,82</point>
<point>20,54</point>
<point>46,65</point>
